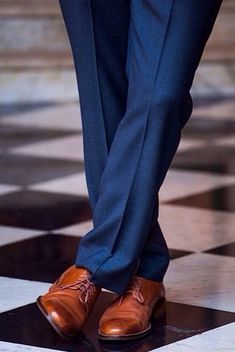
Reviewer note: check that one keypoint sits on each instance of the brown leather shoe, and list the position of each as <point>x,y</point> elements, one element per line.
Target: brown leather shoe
<point>69,301</point>
<point>128,315</point>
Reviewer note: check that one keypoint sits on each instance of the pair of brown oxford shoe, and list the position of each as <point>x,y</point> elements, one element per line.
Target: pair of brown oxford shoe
<point>70,299</point>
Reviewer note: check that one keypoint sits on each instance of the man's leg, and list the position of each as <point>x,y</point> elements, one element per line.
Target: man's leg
<point>98,32</point>
<point>145,58</point>
<point>166,43</point>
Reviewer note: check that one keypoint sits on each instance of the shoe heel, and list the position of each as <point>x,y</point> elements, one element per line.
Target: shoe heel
<point>159,309</point>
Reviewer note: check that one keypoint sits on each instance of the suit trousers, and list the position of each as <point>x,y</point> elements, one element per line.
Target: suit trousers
<point>135,62</point>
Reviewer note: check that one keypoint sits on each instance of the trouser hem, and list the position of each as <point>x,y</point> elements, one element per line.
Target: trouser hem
<point>99,281</point>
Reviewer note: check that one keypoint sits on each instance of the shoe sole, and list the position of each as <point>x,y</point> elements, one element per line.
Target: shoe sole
<point>158,310</point>
<point>124,337</point>
<point>52,323</point>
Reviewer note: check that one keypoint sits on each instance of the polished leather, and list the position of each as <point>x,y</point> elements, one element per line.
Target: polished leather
<point>69,301</point>
<point>128,315</point>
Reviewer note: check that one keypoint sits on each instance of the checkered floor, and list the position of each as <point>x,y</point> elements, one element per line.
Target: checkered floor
<point>44,211</point>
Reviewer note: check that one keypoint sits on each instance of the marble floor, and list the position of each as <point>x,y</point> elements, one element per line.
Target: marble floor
<point>44,211</point>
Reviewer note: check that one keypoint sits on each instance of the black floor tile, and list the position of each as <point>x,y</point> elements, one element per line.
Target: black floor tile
<point>44,258</point>
<point>176,253</point>
<point>222,198</point>
<point>13,109</point>
<point>205,128</point>
<point>41,258</point>
<point>227,250</point>
<point>213,158</point>
<point>27,325</point>
<point>42,210</point>
<point>15,136</point>
<point>28,170</point>
<point>207,101</point>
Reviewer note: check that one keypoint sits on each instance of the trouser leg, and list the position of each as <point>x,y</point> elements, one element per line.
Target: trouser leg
<point>155,257</point>
<point>166,40</point>
<point>98,34</point>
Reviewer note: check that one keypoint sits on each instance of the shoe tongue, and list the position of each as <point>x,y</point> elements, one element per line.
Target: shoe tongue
<point>150,288</point>
<point>73,274</point>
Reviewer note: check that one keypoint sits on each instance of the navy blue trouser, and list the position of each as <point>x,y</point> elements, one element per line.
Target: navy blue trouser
<point>135,61</point>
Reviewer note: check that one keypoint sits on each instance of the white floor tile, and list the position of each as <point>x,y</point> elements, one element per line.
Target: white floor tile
<point>201,279</point>
<point>219,110</point>
<point>226,141</point>
<point>65,117</point>
<point>221,339</point>
<point>77,230</point>
<point>16,347</point>
<point>195,229</point>
<point>186,144</point>
<point>73,184</point>
<point>63,148</point>
<point>7,189</point>
<point>15,293</point>
<point>183,183</point>
<point>14,234</point>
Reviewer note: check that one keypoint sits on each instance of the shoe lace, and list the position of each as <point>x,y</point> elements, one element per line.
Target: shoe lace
<point>84,285</point>
<point>134,289</point>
